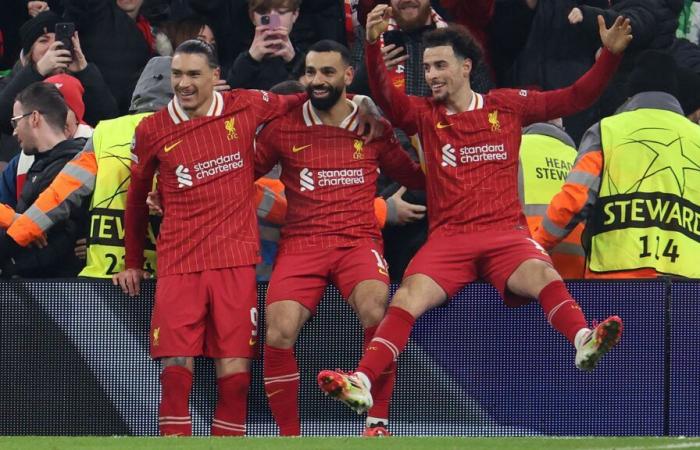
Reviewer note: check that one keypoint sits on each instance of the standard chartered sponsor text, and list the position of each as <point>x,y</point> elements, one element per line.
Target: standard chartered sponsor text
<point>486,152</point>
<point>222,164</point>
<point>340,177</point>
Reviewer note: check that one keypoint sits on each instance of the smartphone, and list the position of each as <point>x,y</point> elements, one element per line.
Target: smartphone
<point>273,20</point>
<point>64,33</point>
<point>395,37</point>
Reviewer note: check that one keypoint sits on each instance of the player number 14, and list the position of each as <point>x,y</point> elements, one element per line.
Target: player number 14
<point>670,250</point>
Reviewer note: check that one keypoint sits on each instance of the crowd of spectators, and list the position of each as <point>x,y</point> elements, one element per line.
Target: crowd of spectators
<point>261,43</point>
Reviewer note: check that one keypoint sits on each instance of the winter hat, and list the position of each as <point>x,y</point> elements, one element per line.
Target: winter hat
<point>153,90</point>
<point>72,90</point>
<point>36,27</point>
<point>654,70</point>
<point>688,90</point>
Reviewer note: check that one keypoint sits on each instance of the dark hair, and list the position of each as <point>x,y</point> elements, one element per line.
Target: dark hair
<point>198,47</point>
<point>288,87</point>
<point>457,37</point>
<point>184,29</point>
<point>262,6</point>
<point>654,70</point>
<point>327,45</point>
<point>47,99</point>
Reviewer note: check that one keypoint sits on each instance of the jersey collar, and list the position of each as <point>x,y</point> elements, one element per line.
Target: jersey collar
<point>178,115</point>
<point>311,117</point>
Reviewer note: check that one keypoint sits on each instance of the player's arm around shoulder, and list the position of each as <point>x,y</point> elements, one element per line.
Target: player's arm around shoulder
<point>266,151</point>
<point>268,105</point>
<point>397,165</point>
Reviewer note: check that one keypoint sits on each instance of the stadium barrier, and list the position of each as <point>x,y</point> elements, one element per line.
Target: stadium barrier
<point>75,362</point>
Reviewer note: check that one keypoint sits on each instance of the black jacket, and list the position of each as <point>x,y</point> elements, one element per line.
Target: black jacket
<point>318,19</point>
<point>654,24</point>
<point>248,73</point>
<point>99,102</point>
<point>111,39</point>
<point>58,258</point>
<point>556,54</point>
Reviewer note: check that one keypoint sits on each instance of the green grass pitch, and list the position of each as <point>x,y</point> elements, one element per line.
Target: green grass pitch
<point>333,443</point>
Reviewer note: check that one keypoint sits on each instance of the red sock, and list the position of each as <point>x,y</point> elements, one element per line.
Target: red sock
<point>383,386</point>
<point>388,342</point>
<point>231,405</point>
<point>562,311</point>
<point>174,411</point>
<point>281,376</point>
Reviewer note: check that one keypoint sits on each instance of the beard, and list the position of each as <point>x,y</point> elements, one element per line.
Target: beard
<point>413,23</point>
<point>324,103</point>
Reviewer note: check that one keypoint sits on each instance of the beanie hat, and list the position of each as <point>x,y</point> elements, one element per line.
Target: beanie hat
<point>654,70</point>
<point>688,90</point>
<point>36,27</point>
<point>72,90</point>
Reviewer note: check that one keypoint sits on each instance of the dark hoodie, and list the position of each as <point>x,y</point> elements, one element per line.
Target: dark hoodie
<point>152,93</point>
<point>654,24</point>
<point>57,259</point>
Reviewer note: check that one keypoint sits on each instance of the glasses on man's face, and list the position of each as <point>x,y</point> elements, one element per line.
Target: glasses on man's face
<point>15,120</point>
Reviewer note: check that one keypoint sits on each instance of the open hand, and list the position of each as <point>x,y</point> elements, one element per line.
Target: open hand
<point>377,22</point>
<point>618,36</point>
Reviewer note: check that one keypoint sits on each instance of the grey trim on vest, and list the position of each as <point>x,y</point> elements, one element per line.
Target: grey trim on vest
<point>591,141</point>
<point>535,210</point>
<point>82,175</point>
<point>38,217</point>
<point>548,129</point>
<point>652,100</point>
<point>554,230</point>
<point>569,249</point>
<point>584,178</point>
<point>269,233</point>
<point>266,204</point>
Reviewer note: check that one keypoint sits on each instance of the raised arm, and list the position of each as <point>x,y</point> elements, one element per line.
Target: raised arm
<point>544,106</point>
<point>393,101</point>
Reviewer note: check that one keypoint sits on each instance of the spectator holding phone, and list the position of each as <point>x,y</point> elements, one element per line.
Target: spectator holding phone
<point>272,56</point>
<point>117,38</point>
<point>43,56</point>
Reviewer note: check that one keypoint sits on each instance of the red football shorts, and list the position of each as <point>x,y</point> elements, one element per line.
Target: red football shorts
<point>212,313</point>
<point>454,261</point>
<point>302,277</point>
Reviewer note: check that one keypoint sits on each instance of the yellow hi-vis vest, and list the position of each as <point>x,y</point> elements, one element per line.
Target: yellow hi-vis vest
<point>648,212</point>
<point>545,161</point>
<point>112,145</point>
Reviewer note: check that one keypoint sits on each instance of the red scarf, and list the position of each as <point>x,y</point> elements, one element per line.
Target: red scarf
<point>145,27</point>
<point>397,75</point>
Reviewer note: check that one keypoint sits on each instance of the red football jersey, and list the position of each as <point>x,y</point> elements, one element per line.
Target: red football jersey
<point>330,177</point>
<point>471,158</point>
<point>205,180</point>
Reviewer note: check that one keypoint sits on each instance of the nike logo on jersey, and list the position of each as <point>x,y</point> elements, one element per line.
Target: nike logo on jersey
<point>167,148</point>
<point>252,342</point>
<point>296,149</point>
<point>274,393</point>
<point>441,125</point>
